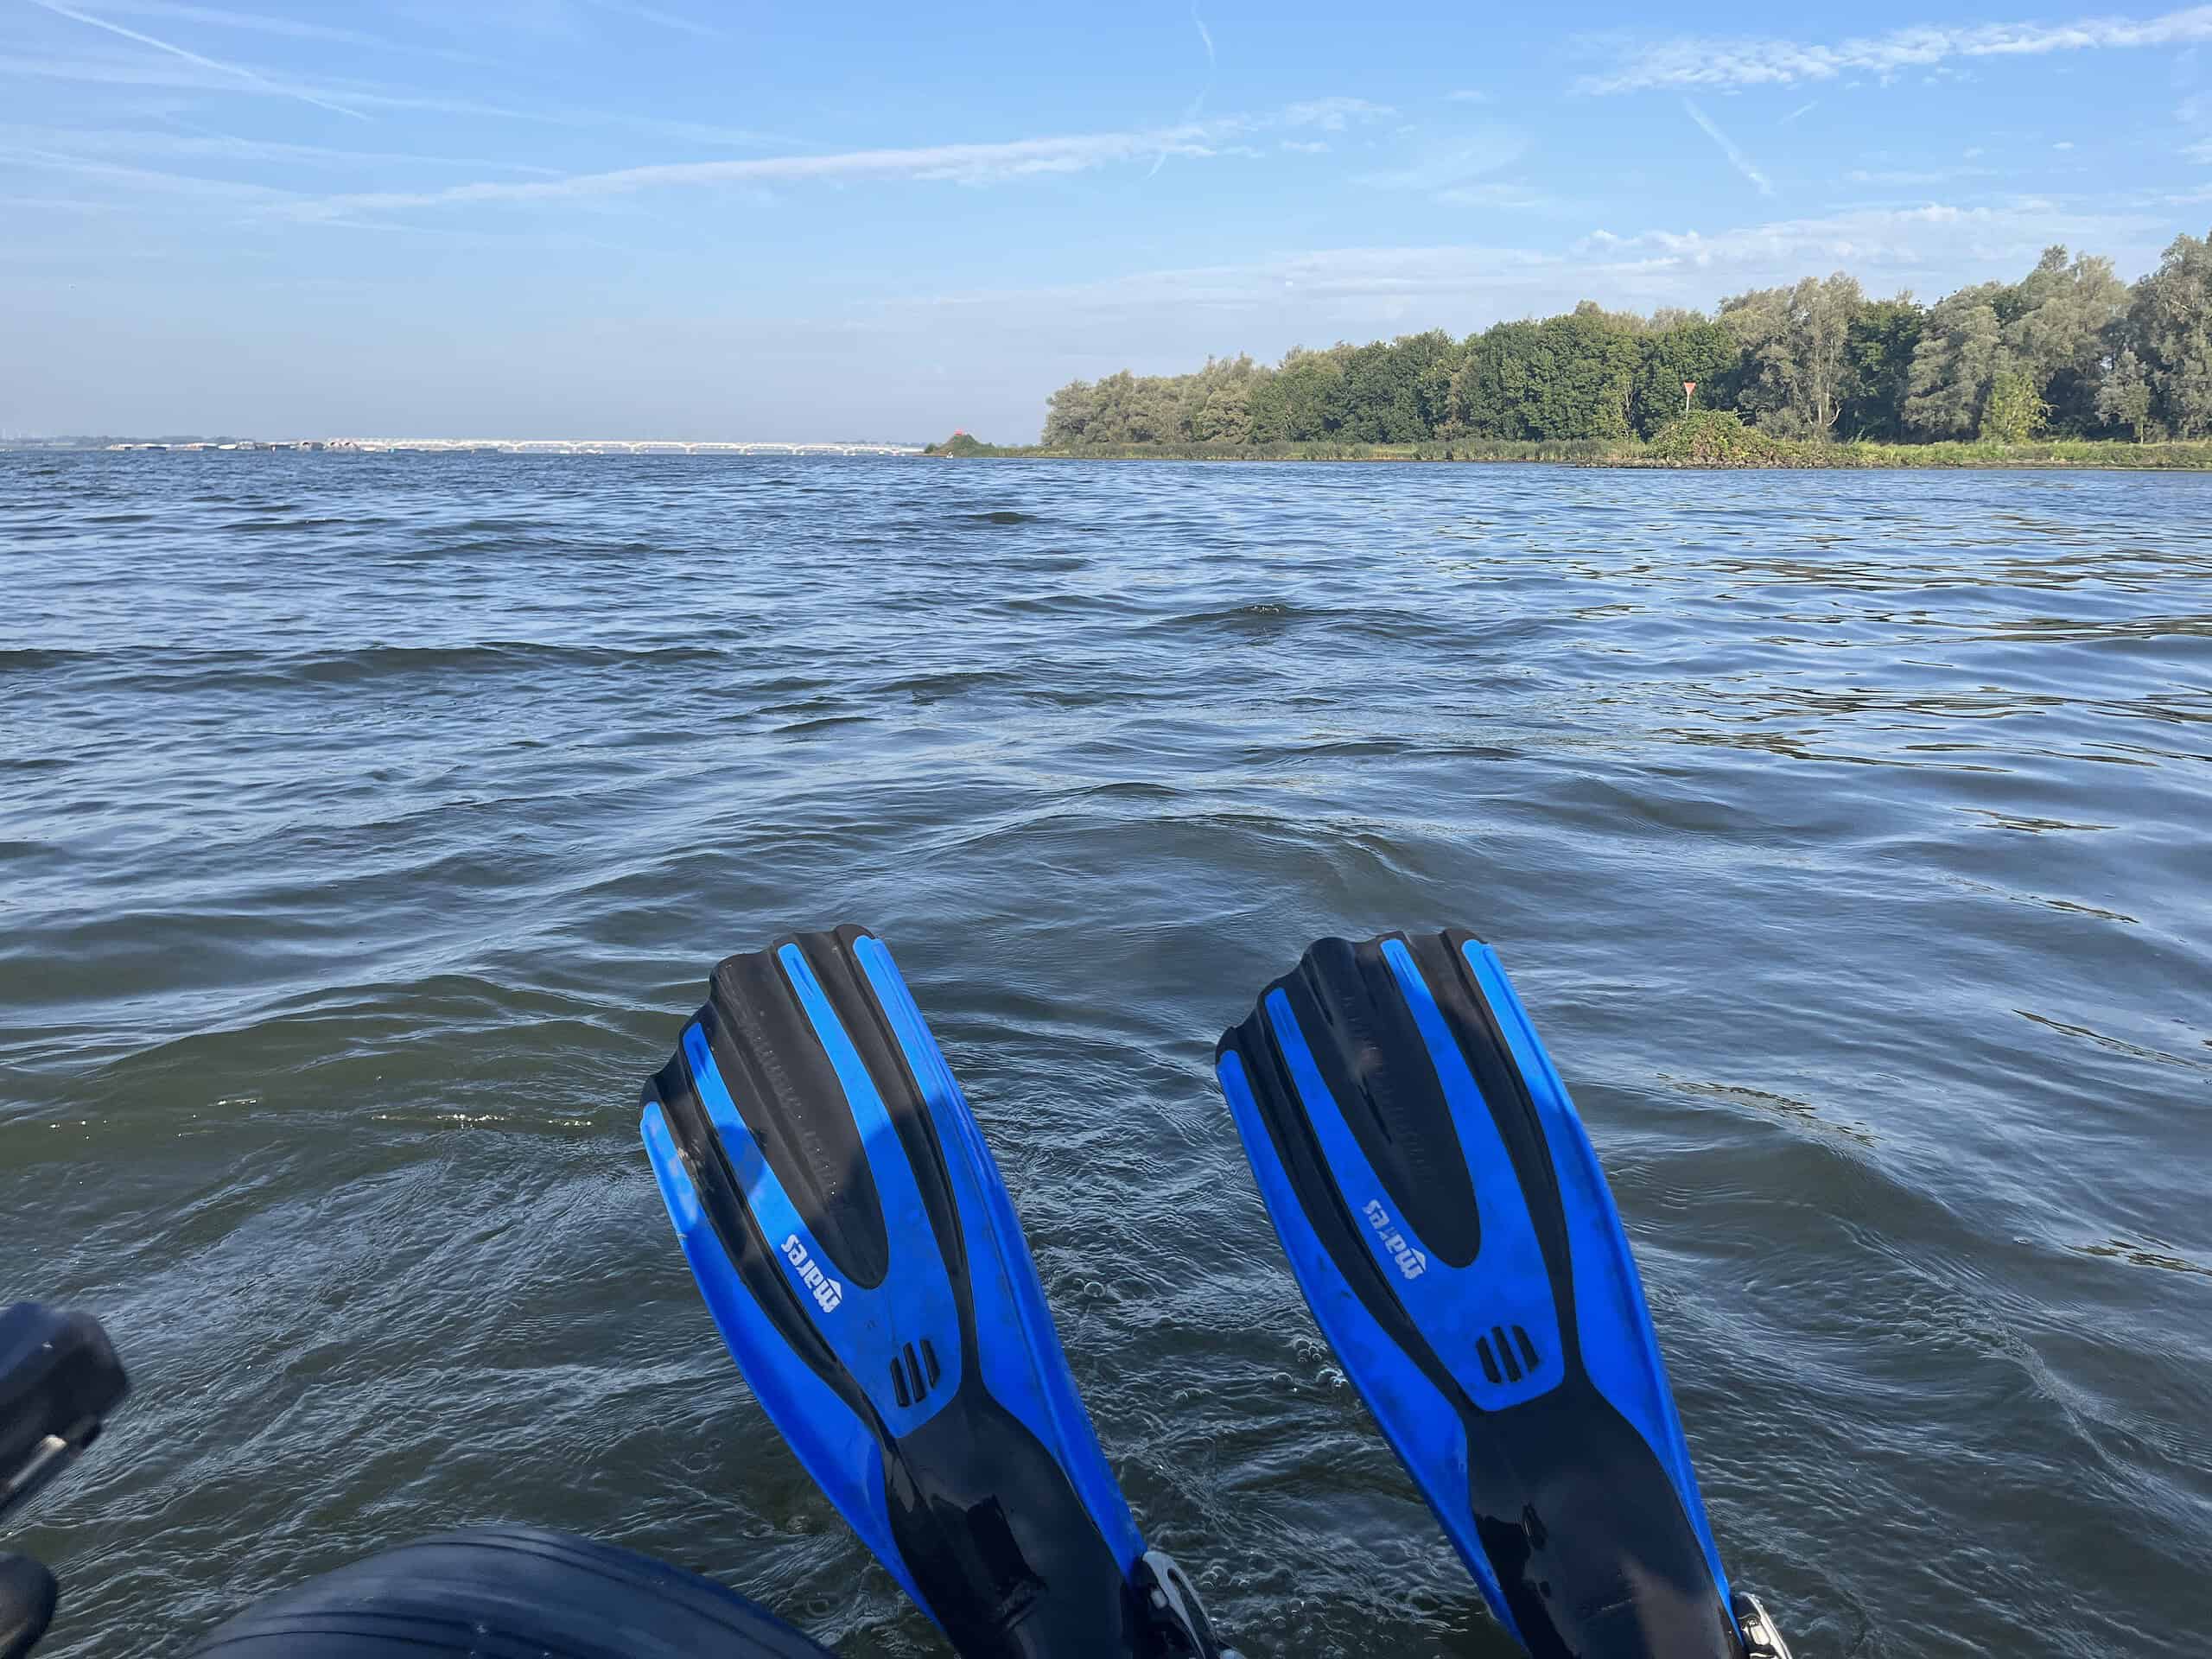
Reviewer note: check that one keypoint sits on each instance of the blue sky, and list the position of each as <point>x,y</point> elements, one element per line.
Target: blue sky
<point>592,217</point>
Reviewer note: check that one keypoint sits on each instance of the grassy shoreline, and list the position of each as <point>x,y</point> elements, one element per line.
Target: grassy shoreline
<point>1768,455</point>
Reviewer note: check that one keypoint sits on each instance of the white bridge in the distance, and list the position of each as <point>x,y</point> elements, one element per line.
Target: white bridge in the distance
<point>547,446</point>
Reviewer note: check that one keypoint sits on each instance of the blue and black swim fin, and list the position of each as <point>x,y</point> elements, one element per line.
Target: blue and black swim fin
<point>1448,1222</point>
<point>853,1242</point>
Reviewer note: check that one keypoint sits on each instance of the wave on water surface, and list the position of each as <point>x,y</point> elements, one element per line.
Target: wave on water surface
<point>369,826</point>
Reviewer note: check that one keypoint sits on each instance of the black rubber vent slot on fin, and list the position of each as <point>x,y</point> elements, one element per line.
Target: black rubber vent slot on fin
<point>1529,1355</point>
<point>913,1375</point>
<point>1488,1359</point>
<point>1505,1353</point>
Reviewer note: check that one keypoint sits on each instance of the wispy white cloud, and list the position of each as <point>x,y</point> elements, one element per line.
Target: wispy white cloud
<point>1338,281</point>
<point>1460,163</point>
<point>968,163</point>
<point>148,180</point>
<point>259,23</point>
<point>663,19</point>
<point>202,75</point>
<point>203,145</point>
<point>2194,115</point>
<point>1306,146</point>
<point>2063,144</point>
<point>1197,103</point>
<point>1333,114</point>
<point>57,205</point>
<point>238,71</point>
<point>1468,95</point>
<point>194,74</point>
<point>1736,159</point>
<point>1518,198</point>
<point>1704,61</point>
<point>1801,110</point>
<point>1943,242</point>
<point>1907,177</point>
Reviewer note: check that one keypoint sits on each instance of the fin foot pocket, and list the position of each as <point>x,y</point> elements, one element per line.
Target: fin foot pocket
<point>1451,1228</point>
<point>851,1235</point>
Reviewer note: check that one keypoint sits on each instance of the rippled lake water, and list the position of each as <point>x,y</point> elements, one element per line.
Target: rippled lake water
<point>368,825</point>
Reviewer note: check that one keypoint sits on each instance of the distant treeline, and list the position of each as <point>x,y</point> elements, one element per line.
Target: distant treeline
<point>2069,350</point>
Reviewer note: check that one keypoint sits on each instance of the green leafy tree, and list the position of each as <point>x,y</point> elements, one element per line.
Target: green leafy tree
<point>2123,400</point>
<point>2170,326</point>
<point>1877,351</point>
<point>1293,405</point>
<point>1589,359</point>
<point>1113,403</point>
<point>2014,409</point>
<point>1214,405</point>
<point>1389,383</point>
<point>1267,409</point>
<point>1360,402</point>
<point>1068,415</point>
<point>1564,377</point>
<point>1960,352</point>
<point>1433,389</point>
<point>1493,384</point>
<point>2063,335</point>
<point>1794,339</point>
<point>1124,415</point>
<point>1225,416</point>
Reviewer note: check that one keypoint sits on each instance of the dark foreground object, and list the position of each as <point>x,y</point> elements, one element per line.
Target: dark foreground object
<point>1449,1224</point>
<point>58,1381</point>
<point>510,1593</point>
<point>850,1234</point>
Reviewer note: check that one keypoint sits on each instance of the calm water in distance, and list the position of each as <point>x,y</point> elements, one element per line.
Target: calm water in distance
<point>368,826</point>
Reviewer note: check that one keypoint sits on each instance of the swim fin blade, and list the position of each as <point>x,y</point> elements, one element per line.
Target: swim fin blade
<point>1449,1224</point>
<point>852,1237</point>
